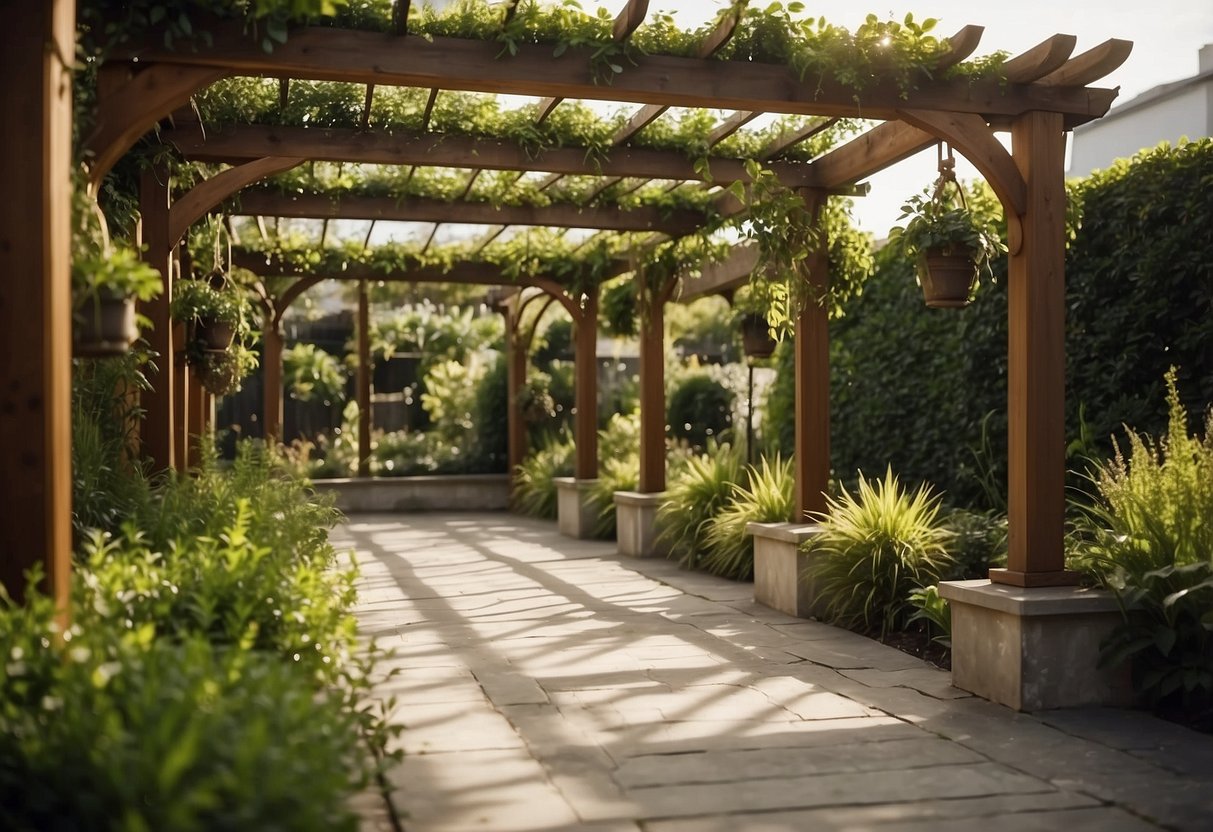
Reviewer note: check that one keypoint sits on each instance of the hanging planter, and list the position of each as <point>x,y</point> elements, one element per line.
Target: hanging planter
<point>756,337</point>
<point>950,245</point>
<point>107,279</point>
<point>213,334</point>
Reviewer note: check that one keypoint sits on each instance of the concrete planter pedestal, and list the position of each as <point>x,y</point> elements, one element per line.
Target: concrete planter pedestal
<point>636,523</point>
<point>780,569</point>
<point>1034,649</point>
<point>574,517</point>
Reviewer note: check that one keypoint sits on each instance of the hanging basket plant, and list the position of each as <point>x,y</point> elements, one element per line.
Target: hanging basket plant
<point>950,245</point>
<point>107,280</point>
<point>756,337</point>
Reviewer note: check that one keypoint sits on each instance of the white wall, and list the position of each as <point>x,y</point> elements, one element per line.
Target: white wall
<point>1097,144</point>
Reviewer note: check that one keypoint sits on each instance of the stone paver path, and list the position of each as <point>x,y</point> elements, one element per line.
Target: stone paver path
<point>548,683</point>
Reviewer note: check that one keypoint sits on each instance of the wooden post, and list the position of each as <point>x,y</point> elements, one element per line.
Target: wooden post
<point>271,363</point>
<point>37,48</point>
<point>364,382</point>
<point>812,363</point>
<point>516,361</point>
<point>1036,362</point>
<point>585,389</point>
<point>181,401</point>
<point>158,402</point>
<point>652,397</point>
<point>195,423</point>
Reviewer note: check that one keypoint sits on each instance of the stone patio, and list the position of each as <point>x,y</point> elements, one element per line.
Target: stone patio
<point>546,683</point>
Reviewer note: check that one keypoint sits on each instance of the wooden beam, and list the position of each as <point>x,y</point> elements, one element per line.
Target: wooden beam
<point>159,417</point>
<point>486,274</point>
<point>1036,375</point>
<point>791,138</point>
<point>291,294</point>
<point>123,117</point>
<point>429,109</point>
<point>400,17</point>
<point>271,363</point>
<point>450,63</point>
<point>235,144</point>
<point>869,153</point>
<point>1040,60</point>
<point>1091,65</point>
<point>812,367</point>
<point>211,192</point>
<point>366,106</point>
<point>364,381</point>
<point>37,47</point>
<point>652,396</point>
<point>585,387</point>
<point>421,209</point>
<point>715,278</point>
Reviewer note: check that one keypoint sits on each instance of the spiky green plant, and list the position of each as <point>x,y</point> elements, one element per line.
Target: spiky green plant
<point>615,474</point>
<point>875,548</point>
<point>766,496</point>
<point>693,498</point>
<point>535,477</point>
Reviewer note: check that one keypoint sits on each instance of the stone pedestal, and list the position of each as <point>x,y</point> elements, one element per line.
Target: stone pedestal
<point>781,570</point>
<point>636,523</point>
<point>1034,649</point>
<point>574,517</point>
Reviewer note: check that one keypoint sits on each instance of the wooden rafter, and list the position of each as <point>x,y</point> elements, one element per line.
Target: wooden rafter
<point>235,144</point>
<point>626,22</point>
<point>420,209</point>
<point>1044,58</point>
<point>366,106</point>
<point>208,194</point>
<point>1091,65</point>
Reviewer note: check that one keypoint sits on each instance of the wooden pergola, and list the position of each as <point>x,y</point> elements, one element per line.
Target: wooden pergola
<point>1040,95</point>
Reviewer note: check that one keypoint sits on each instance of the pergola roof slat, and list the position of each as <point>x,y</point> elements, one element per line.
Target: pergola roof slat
<point>1091,65</point>
<point>241,143</point>
<point>1040,60</point>
<point>419,209</point>
<point>960,46</point>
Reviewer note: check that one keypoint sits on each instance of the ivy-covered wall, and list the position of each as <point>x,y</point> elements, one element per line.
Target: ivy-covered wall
<point>925,389</point>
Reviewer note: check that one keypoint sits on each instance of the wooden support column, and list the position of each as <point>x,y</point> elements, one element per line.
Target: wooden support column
<point>652,397</point>
<point>1036,362</point>
<point>182,401</point>
<point>37,48</point>
<point>158,402</point>
<point>812,363</point>
<point>364,382</point>
<point>195,423</point>
<point>516,361</point>
<point>271,363</point>
<point>585,389</point>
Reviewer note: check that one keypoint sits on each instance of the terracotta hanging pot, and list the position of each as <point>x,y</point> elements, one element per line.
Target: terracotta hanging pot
<point>104,327</point>
<point>947,277</point>
<point>756,337</point>
<point>213,335</point>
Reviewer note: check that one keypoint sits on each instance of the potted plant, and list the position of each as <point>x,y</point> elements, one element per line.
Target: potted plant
<point>215,315</point>
<point>105,286</point>
<point>220,371</point>
<point>756,337</point>
<point>951,245</point>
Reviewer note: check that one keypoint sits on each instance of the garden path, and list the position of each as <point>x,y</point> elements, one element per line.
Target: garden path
<point>547,683</point>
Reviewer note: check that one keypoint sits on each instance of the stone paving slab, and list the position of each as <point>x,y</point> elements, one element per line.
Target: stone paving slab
<point>546,683</point>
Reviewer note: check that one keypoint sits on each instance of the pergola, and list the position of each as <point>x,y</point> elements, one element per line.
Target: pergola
<point>1040,95</point>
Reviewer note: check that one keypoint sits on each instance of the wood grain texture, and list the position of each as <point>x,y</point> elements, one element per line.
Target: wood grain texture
<point>812,367</point>
<point>652,398</point>
<point>585,388</point>
<point>158,402</point>
<point>364,381</point>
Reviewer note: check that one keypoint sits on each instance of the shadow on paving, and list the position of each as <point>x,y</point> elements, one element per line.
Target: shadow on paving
<point>547,683</point>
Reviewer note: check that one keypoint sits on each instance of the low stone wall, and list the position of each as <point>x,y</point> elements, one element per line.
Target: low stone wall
<point>462,492</point>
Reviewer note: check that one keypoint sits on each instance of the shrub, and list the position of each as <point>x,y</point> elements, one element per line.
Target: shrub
<point>113,730</point>
<point>1151,542</point>
<point>874,549</point>
<point>534,479</point>
<point>693,498</point>
<point>618,470</point>
<point>699,407</point>
<point>765,495</point>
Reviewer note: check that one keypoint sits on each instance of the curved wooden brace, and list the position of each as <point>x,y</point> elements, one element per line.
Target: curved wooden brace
<point>292,293</point>
<point>557,291</point>
<point>134,108</point>
<point>206,195</point>
<point>969,134</point>
<point>1090,65</point>
<point>960,46</point>
<point>530,336</point>
<point>1040,60</point>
